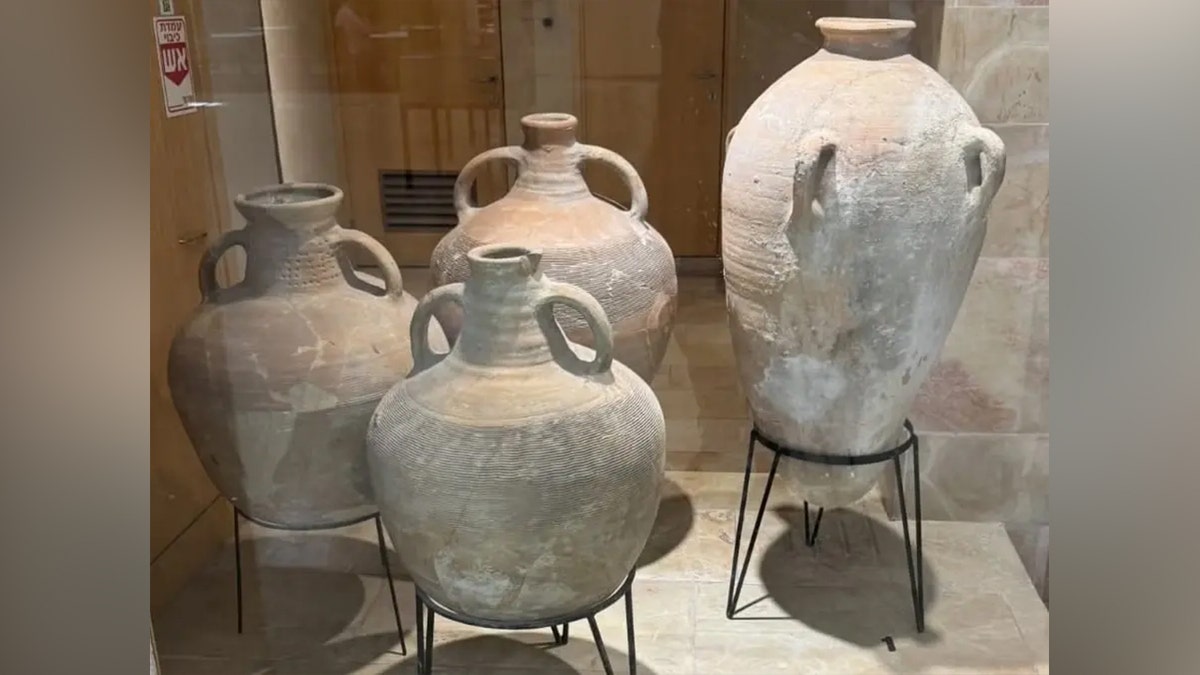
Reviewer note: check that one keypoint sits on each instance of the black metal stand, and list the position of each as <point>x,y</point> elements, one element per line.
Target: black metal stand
<point>387,568</point>
<point>916,574</point>
<point>427,608</point>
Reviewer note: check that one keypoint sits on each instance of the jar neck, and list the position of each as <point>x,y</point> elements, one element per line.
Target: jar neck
<point>552,158</point>
<point>290,238</point>
<point>500,323</point>
<point>291,260</point>
<point>869,39</point>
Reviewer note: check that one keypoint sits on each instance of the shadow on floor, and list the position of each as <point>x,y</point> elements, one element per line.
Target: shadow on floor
<point>284,612</point>
<point>506,653</point>
<point>676,516</point>
<point>852,585</point>
<point>526,656</point>
<point>322,551</point>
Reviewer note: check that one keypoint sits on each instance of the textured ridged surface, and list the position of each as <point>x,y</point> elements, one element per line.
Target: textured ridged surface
<point>519,487</point>
<point>562,504</point>
<point>853,210</point>
<point>613,255</point>
<point>275,379</point>
<point>640,304</point>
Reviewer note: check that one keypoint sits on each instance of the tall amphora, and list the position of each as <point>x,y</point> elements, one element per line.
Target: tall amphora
<point>854,204</point>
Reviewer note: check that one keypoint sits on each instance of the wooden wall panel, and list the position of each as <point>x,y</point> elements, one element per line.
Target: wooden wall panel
<point>419,87</point>
<point>644,77</point>
<point>541,59</point>
<point>298,39</point>
<point>186,211</point>
<point>652,80</point>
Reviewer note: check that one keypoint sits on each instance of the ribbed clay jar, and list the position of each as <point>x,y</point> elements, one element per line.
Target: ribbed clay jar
<point>520,473</point>
<point>854,204</point>
<point>275,378</point>
<point>613,255</point>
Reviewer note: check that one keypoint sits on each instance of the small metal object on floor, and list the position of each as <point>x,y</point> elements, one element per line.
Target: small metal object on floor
<point>559,626</point>
<point>916,573</point>
<point>387,568</point>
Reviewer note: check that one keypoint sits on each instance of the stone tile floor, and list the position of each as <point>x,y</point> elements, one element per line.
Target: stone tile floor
<point>317,603</point>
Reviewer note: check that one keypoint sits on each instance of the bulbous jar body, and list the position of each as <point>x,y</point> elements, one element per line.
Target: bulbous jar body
<point>520,473</point>
<point>275,378</point>
<point>613,255</point>
<point>854,203</point>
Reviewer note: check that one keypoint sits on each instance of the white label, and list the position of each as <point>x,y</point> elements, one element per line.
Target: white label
<point>174,63</point>
<point>166,7</point>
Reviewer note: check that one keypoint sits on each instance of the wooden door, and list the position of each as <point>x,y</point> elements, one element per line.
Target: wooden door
<point>645,79</point>
<point>186,212</point>
<point>420,91</point>
<point>651,90</point>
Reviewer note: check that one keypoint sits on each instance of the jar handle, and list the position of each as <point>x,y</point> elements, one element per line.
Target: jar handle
<point>576,298</point>
<point>986,160</point>
<point>814,155</point>
<point>209,288</point>
<point>639,203</point>
<point>392,280</point>
<point>424,357</point>
<point>466,177</point>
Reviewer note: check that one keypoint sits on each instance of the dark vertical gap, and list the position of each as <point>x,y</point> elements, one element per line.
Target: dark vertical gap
<point>262,27</point>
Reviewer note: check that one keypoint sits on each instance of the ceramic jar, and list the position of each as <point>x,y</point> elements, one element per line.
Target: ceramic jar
<point>519,473</point>
<point>612,254</point>
<point>276,377</point>
<point>854,204</point>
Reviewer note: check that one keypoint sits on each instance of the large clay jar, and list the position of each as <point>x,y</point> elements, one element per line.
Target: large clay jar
<point>276,377</point>
<point>854,206</point>
<point>613,255</point>
<point>520,473</point>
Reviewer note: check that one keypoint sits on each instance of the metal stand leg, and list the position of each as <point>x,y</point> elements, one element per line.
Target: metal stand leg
<point>915,562</point>
<point>608,669</point>
<point>737,541</point>
<point>632,639</point>
<point>427,608</point>
<point>420,619</point>
<point>916,450</point>
<point>810,536</point>
<point>387,568</point>
<point>736,591</point>
<point>237,557</point>
<point>424,636</point>
<point>916,576</point>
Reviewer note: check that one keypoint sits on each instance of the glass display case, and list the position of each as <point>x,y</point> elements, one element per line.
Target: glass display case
<point>350,194</point>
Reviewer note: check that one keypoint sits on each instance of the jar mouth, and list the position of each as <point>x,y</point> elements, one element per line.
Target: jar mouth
<point>287,194</point>
<point>295,205</point>
<point>499,253</point>
<point>551,120</point>
<point>504,259</point>
<point>872,39</point>
<point>835,25</point>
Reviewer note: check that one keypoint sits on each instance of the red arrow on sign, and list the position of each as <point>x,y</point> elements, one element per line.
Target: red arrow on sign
<point>175,61</point>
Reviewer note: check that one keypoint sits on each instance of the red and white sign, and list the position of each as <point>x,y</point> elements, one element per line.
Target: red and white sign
<point>174,62</point>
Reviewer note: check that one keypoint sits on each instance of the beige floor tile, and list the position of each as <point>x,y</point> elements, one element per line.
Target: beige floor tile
<point>287,613</point>
<point>723,652</point>
<point>811,610</point>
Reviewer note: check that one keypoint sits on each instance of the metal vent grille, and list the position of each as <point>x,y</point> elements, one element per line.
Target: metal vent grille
<point>418,199</point>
